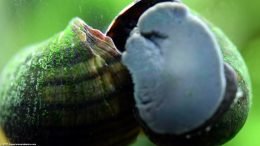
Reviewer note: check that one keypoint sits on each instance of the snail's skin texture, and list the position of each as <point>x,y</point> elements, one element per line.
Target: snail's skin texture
<point>191,85</point>
<point>69,90</point>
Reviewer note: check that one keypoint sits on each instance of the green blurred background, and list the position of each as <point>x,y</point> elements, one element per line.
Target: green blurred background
<point>25,22</point>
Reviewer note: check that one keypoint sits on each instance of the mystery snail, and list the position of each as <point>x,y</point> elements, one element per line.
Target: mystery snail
<point>178,76</point>
<point>69,90</point>
<point>191,85</point>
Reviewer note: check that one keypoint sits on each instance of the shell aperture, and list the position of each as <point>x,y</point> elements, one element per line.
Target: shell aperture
<point>119,30</point>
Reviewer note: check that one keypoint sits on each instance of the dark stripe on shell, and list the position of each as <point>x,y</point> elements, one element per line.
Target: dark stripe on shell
<point>69,78</point>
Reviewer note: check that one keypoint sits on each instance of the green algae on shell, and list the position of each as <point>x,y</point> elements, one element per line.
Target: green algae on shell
<point>69,90</point>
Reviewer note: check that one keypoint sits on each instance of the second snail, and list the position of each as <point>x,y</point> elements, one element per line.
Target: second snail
<point>165,70</point>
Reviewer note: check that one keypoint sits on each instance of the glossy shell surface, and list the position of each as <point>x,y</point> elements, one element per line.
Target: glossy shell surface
<point>70,90</point>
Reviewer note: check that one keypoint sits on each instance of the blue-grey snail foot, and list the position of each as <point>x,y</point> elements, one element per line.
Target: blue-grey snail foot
<point>176,65</point>
<point>184,91</point>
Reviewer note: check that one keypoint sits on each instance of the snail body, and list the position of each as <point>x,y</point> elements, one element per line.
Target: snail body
<point>188,84</point>
<point>184,96</point>
<point>69,90</point>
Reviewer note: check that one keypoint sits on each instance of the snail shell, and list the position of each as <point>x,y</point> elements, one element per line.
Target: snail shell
<point>69,90</point>
<point>191,84</point>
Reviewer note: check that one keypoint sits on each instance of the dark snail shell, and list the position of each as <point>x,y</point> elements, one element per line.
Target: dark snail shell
<point>69,90</point>
<point>231,114</point>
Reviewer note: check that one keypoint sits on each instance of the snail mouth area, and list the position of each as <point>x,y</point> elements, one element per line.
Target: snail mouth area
<point>154,37</point>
